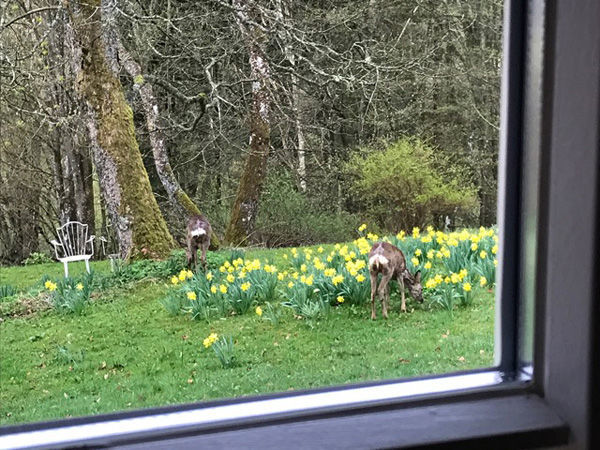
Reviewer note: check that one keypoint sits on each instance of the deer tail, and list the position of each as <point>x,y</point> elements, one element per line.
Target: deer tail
<point>376,261</point>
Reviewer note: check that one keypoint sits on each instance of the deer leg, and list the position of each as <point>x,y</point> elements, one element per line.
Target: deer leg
<point>205,245</point>
<point>195,257</point>
<point>384,293</point>
<point>373,291</point>
<point>401,283</point>
<point>188,253</point>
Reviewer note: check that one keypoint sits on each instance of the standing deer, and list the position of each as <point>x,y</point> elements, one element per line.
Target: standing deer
<point>388,260</point>
<point>198,236</point>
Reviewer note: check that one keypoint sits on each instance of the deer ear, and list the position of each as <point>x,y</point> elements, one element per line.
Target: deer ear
<point>418,276</point>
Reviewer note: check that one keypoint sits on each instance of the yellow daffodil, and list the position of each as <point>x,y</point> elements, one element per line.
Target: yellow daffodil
<point>482,281</point>
<point>427,265</point>
<point>431,283</point>
<point>213,289</point>
<point>415,261</point>
<point>363,227</point>
<point>223,289</point>
<point>210,340</point>
<point>191,295</point>
<point>474,246</point>
<point>467,287</point>
<point>50,285</point>
<point>482,254</point>
<point>418,252</point>
<point>290,284</point>
<point>245,286</point>
<point>360,278</point>
<point>174,279</point>
<point>415,232</point>
<point>340,299</point>
<point>79,287</point>
<point>230,278</point>
<point>209,276</point>
<point>258,311</point>
<point>337,279</point>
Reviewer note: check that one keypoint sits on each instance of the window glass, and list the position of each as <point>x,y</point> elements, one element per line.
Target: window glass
<point>327,144</point>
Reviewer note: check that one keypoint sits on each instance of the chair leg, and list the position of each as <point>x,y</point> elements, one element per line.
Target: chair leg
<point>66,264</point>
<point>87,265</point>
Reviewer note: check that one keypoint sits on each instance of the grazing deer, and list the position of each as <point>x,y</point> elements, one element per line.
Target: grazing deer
<point>198,236</point>
<point>388,260</point>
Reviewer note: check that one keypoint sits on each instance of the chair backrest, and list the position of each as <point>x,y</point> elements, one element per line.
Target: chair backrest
<point>73,237</point>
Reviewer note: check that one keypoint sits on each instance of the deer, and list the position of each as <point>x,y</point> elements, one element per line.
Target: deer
<point>389,261</point>
<point>198,236</point>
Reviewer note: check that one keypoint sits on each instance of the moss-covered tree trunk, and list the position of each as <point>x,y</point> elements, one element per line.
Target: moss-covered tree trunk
<point>245,206</point>
<point>141,230</point>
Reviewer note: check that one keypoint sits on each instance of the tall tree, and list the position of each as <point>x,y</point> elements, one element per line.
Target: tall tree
<point>134,213</point>
<point>179,200</point>
<point>245,206</point>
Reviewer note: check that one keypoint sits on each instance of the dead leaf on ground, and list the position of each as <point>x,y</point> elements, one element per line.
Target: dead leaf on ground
<point>403,360</point>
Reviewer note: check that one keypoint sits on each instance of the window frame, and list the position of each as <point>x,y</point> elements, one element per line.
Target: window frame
<point>545,116</point>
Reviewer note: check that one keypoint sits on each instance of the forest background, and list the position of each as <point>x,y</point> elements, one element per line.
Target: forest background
<point>285,123</point>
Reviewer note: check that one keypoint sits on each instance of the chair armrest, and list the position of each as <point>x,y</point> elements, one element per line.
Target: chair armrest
<point>91,241</point>
<point>56,244</point>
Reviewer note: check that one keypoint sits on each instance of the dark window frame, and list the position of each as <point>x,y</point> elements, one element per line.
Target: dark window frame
<point>550,113</point>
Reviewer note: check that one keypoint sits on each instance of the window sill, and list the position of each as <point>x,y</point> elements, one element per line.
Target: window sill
<point>476,409</point>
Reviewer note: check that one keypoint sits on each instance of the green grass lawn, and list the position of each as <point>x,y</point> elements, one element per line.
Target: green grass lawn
<point>126,352</point>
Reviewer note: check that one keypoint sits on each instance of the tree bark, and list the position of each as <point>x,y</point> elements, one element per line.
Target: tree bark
<point>141,230</point>
<point>245,206</point>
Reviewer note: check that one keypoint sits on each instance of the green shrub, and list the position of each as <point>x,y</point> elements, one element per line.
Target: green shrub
<point>37,258</point>
<point>173,303</point>
<point>6,290</point>
<point>71,295</point>
<point>284,214</point>
<point>408,184</point>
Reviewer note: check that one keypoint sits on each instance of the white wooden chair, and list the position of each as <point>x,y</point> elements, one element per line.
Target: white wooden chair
<point>73,244</point>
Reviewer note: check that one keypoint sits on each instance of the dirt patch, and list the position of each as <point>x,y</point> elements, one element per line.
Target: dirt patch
<point>24,306</point>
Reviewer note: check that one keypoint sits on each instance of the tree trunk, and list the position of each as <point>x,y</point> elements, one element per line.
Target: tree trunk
<point>141,230</point>
<point>179,200</point>
<point>245,206</point>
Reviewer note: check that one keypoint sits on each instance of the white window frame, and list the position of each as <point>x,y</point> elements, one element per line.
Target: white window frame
<point>550,132</point>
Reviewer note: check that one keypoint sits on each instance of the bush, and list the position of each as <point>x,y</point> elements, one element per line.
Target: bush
<point>407,184</point>
<point>147,268</point>
<point>287,218</point>
<point>37,258</point>
<point>71,295</point>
